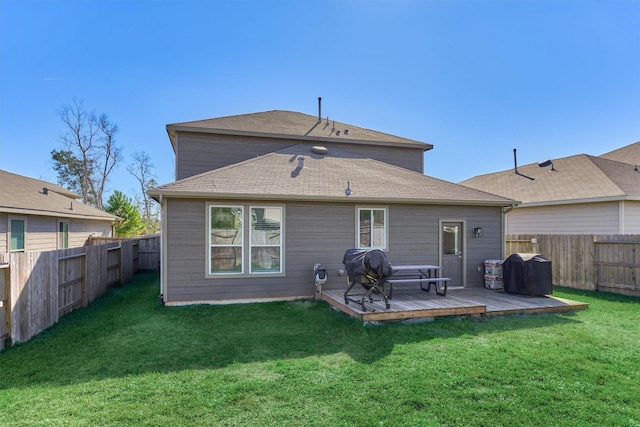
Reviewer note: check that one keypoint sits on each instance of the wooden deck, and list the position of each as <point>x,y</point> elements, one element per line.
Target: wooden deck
<point>416,304</point>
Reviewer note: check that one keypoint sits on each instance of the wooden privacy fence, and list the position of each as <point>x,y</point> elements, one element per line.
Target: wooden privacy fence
<point>37,288</point>
<point>608,263</point>
<point>5,313</point>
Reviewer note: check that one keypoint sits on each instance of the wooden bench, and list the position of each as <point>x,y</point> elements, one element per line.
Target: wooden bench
<point>428,280</point>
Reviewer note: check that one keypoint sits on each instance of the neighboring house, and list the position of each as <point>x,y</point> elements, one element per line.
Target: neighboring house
<point>261,198</point>
<point>582,194</point>
<point>39,216</point>
<point>629,154</point>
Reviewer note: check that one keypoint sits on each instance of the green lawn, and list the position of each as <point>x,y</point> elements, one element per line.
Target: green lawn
<point>126,360</point>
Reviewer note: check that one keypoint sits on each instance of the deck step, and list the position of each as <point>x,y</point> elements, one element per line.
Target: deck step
<point>415,304</point>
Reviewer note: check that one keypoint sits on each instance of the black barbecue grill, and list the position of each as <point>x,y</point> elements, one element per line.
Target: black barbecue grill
<point>370,269</point>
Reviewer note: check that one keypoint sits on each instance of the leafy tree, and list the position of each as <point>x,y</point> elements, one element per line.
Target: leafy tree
<point>90,153</point>
<point>69,169</point>
<point>131,224</point>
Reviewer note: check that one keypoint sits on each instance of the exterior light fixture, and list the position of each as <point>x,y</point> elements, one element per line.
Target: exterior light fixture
<point>477,232</point>
<point>348,191</point>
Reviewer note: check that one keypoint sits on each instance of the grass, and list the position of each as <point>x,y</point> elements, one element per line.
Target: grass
<point>126,360</point>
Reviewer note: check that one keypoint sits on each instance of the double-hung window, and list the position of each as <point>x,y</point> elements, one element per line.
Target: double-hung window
<point>226,240</point>
<point>266,239</point>
<point>372,228</point>
<point>18,232</point>
<point>245,239</point>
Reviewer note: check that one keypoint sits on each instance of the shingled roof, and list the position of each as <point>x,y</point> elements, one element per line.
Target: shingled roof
<point>576,179</point>
<point>27,196</point>
<point>291,125</point>
<point>629,154</point>
<point>297,173</point>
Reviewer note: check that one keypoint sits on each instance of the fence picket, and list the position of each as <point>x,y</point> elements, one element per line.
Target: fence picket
<point>593,262</point>
<point>37,288</point>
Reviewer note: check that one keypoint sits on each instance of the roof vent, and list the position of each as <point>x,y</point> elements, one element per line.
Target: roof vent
<point>45,190</point>
<point>346,131</point>
<point>319,149</point>
<point>547,163</point>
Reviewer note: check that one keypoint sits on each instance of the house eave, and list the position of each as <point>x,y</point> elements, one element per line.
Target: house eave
<point>332,199</point>
<point>56,214</point>
<point>580,201</point>
<point>172,131</point>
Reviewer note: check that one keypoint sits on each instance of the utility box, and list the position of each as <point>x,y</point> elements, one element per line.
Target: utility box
<point>527,274</point>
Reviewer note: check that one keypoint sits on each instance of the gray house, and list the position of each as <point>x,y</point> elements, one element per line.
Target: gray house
<point>579,194</point>
<point>261,198</point>
<point>39,216</point>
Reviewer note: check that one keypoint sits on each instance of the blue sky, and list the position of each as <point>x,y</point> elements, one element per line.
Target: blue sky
<point>474,78</point>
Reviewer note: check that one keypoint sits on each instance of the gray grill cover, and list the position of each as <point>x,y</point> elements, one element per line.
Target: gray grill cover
<point>527,274</point>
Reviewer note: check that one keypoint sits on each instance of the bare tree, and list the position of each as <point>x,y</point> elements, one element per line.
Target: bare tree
<point>90,153</point>
<point>110,154</point>
<point>141,169</point>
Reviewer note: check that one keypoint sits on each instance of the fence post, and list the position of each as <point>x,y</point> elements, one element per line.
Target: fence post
<point>5,305</point>
<point>83,283</point>
<point>31,284</point>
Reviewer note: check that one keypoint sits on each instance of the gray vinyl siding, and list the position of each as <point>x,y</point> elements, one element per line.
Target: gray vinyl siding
<point>199,153</point>
<point>308,238</point>
<point>314,233</point>
<point>414,235</point>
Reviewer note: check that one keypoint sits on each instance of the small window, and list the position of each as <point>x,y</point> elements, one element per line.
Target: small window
<point>17,230</point>
<point>450,239</point>
<point>372,228</point>
<point>63,235</point>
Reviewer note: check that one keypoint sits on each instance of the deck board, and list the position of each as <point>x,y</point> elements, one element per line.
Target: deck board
<point>415,304</point>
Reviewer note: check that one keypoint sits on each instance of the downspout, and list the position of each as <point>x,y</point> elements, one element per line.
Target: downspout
<point>503,243</point>
<point>163,258</point>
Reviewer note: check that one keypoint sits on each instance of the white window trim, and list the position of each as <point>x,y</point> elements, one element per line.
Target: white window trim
<point>16,218</point>
<point>386,226</point>
<point>279,245</point>
<point>210,206</point>
<point>246,242</point>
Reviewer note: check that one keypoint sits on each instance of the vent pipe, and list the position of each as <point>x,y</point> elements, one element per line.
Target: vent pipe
<point>319,109</point>
<point>515,164</point>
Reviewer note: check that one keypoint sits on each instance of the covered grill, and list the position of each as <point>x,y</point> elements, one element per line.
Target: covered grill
<point>370,269</point>
<point>527,274</point>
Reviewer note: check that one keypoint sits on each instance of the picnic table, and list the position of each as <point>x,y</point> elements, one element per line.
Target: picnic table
<point>427,273</point>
